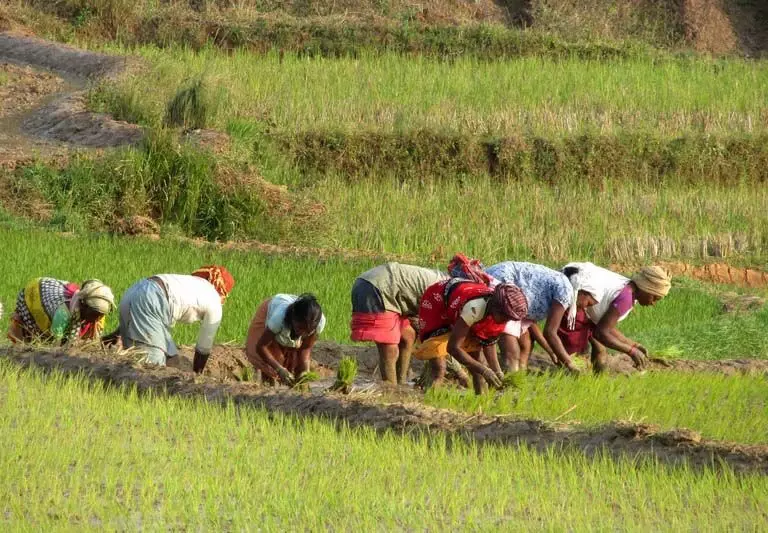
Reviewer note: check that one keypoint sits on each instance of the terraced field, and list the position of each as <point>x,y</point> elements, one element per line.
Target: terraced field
<point>301,143</point>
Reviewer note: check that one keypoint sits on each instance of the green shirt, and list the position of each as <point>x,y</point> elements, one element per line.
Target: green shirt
<point>402,286</point>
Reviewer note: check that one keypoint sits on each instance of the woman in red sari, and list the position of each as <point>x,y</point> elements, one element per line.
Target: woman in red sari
<point>463,317</point>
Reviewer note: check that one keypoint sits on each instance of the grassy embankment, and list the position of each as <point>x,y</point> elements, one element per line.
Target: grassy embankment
<point>82,455</point>
<point>446,29</point>
<point>577,173</point>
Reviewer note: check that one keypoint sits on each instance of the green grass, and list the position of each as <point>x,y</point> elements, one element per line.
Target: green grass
<point>618,222</point>
<point>391,93</point>
<point>705,333</point>
<point>122,261</point>
<point>485,29</point>
<point>720,407</point>
<point>695,323</point>
<point>81,455</point>
<point>160,179</point>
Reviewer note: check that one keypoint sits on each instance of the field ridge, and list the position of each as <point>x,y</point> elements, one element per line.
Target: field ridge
<point>619,438</point>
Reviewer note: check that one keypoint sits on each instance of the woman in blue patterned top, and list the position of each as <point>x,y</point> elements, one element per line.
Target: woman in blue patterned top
<point>549,295</point>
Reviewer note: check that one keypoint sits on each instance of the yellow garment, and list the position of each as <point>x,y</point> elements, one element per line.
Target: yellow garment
<point>653,280</point>
<point>437,347</point>
<point>35,305</point>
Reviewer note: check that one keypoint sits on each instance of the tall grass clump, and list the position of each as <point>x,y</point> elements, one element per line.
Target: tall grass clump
<point>188,108</point>
<point>161,179</point>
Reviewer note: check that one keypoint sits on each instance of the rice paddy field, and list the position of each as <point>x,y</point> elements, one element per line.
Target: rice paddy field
<point>302,143</point>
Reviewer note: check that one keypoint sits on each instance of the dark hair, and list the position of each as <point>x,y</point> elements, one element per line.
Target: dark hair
<point>570,271</point>
<point>306,310</point>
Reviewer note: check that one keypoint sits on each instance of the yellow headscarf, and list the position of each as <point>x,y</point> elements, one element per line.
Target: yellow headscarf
<point>653,280</point>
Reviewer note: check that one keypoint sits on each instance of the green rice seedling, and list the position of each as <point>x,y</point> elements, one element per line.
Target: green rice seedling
<point>188,108</point>
<point>670,352</point>
<point>84,453</point>
<point>513,380</point>
<point>545,97</point>
<point>583,364</point>
<point>345,376</point>
<point>247,374</point>
<point>305,379</point>
<point>718,406</point>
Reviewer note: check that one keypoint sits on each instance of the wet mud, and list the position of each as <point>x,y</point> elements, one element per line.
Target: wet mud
<point>402,414</point>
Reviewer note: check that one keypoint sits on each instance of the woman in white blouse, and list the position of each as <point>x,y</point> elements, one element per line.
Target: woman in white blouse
<point>281,336</point>
<point>150,308</point>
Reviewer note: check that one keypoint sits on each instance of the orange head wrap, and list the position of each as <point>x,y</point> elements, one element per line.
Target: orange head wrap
<point>218,276</point>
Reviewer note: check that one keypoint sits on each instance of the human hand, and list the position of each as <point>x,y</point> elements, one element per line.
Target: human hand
<point>638,356</point>
<point>491,377</point>
<point>286,376</point>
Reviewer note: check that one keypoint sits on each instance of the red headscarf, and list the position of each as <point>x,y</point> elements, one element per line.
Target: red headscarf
<point>472,269</point>
<point>511,301</point>
<point>218,276</point>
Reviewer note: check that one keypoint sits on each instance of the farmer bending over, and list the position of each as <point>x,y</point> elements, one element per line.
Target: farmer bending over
<point>549,294</point>
<point>615,297</point>
<point>463,317</point>
<point>281,337</point>
<point>384,299</point>
<point>151,307</point>
<point>52,310</point>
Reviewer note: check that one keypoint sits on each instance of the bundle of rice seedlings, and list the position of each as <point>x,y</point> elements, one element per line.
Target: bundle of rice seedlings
<point>188,107</point>
<point>581,363</point>
<point>247,374</point>
<point>345,376</point>
<point>305,379</point>
<point>513,380</point>
<point>669,352</point>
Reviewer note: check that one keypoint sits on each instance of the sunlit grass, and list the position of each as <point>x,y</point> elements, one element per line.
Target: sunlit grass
<point>621,221</point>
<point>720,407</point>
<point>392,93</point>
<point>79,455</point>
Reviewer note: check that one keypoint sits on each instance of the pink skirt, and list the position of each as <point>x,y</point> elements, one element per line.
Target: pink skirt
<point>384,328</point>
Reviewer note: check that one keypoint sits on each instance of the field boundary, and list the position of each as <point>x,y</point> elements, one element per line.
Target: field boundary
<point>429,154</point>
<point>620,439</point>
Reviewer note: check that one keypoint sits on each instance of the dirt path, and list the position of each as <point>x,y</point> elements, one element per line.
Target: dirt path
<point>409,417</point>
<point>60,120</point>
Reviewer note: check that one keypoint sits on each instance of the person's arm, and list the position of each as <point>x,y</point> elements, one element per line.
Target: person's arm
<point>305,354</point>
<point>538,336</point>
<point>262,349</point>
<point>607,334</point>
<point>209,325</point>
<point>554,318</point>
<point>459,334</point>
<point>489,351</point>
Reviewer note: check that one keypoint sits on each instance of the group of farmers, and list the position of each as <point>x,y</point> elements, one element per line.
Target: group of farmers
<point>459,316</point>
